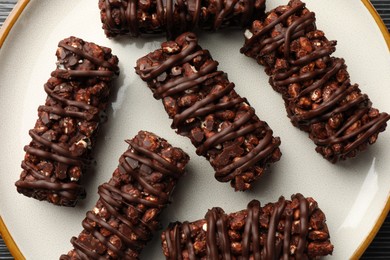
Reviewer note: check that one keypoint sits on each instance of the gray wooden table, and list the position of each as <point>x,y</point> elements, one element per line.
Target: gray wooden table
<point>379,248</point>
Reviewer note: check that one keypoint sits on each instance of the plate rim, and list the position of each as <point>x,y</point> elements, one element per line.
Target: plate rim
<point>13,18</point>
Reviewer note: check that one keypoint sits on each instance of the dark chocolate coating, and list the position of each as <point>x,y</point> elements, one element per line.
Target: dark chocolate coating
<point>316,87</point>
<point>126,214</point>
<point>67,124</point>
<point>204,107</point>
<point>137,17</point>
<point>286,229</point>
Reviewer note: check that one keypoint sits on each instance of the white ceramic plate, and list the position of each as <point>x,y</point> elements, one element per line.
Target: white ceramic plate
<point>353,194</point>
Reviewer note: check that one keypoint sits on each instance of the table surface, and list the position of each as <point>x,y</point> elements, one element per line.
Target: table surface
<point>380,246</point>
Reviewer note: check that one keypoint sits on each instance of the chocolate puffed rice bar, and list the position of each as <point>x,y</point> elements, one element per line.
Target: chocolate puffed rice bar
<point>68,122</point>
<point>315,86</point>
<point>126,214</point>
<point>173,18</point>
<point>286,229</point>
<point>205,108</point>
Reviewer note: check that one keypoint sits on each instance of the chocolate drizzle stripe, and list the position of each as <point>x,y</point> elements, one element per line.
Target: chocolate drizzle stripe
<point>271,44</point>
<point>181,6</point>
<point>69,191</point>
<point>216,138</point>
<point>113,199</point>
<point>78,104</point>
<point>336,66</point>
<point>367,127</point>
<point>172,245</point>
<point>223,12</point>
<point>316,54</point>
<point>64,189</point>
<point>26,166</point>
<point>108,193</point>
<point>223,237</point>
<point>301,78</point>
<point>99,236</point>
<point>163,198</point>
<point>182,84</point>
<point>269,27</point>
<point>202,111</point>
<point>195,54</point>
<point>177,243</point>
<point>56,148</point>
<point>370,131</point>
<point>362,100</point>
<point>251,234</point>
<point>130,199</point>
<point>169,17</point>
<point>304,225</point>
<point>196,15</point>
<point>296,30</point>
<point>69,74</point>
<point>173,170</point>
<point>132,16</point>
<point>160,11</point>
<point>110,22</point>
<point>104,224</point>
<point>123,16</point>
<point>169,241</point>
<point>329,72</point>
<point>285,75</point>
<point>145,161</point>
<point>173,61</point>
<point>99,221</point>
<point>52,156</point>
<point>247,235</point>
<point>137,175</point>
<point>151,73</point>
<point>351,120</point>
<point>187,234</point>
<point>334,99</point>
<point>255,208</point>
<point>269,249</point>
<point>83,251</point>
<point>43,184</point>
<point>239,166</point>
<point>287,234</point>
<point>127,24</point>
<point>275,45</point>
<point>190,112</point>
<point>242,131</point>
<point>295,27</point>
<point>84,54</point>
<point>249,8</point>
<point>66,113</point>
<point>211,236</point>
